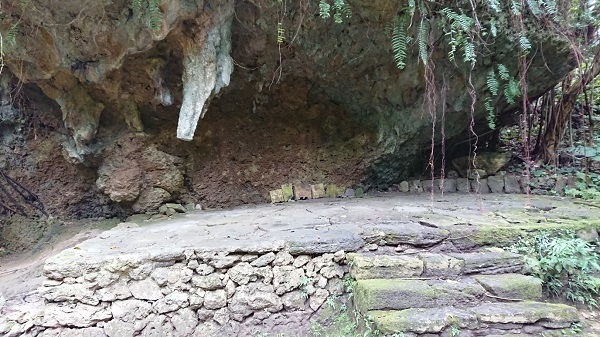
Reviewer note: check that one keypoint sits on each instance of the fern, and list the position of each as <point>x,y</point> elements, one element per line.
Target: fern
<point>515,7</point>
<point>491,116</point>
<point>524,44</point>
<point>511,90</point>
<point>280,33</point>
<point>136,5</point>
<point>340,10</point>
<point>503,72</point>
<point>411,8</point>
<point>154,15</point>
<point>11,35</point>
<point>23,4</point>
<point>492,83</point>
<point>494,5</point>
<point>469,52</point>
<point>534,7</point>
<point>399,42</point>
<point>422,41</point>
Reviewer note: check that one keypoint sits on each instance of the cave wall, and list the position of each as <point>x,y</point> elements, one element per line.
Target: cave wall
<point>210,109</point>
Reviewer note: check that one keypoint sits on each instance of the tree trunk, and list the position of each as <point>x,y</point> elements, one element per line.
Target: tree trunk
<point>558,117</point>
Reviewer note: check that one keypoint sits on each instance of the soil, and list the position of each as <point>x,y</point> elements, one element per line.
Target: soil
<point>21,273</point>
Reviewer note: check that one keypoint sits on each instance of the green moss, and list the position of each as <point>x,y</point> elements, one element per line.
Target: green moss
<point>507,235</point>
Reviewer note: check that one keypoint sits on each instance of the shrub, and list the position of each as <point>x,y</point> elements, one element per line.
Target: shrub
<point>565,263</point>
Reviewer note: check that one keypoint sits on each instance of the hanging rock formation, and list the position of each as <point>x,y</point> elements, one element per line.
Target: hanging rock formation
<point>325,105</point>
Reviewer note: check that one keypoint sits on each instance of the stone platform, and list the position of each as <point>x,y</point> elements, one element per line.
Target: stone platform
<point>244,271</point>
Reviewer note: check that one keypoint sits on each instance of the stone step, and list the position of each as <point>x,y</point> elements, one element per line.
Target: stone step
<point>397,294</point>
<point>518,319</point>
<point>511,286</point>
<point>373,266</point>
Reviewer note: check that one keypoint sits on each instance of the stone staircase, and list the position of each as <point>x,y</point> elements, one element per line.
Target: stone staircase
<point>454,294</point>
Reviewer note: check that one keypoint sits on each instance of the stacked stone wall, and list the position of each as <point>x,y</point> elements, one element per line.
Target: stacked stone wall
<point>198,294</point>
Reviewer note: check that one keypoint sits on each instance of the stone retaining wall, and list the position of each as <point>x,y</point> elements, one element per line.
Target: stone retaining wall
<point>201,294</point>
<point>500,183</point>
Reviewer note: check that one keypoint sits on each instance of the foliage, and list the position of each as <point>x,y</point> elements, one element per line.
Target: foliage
<point>587,186</point>
<point>151,12</point>
<point>565,263</point>
<point>339,8</point>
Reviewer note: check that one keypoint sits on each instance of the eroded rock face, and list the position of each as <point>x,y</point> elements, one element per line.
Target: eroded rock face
<point>327,105</point>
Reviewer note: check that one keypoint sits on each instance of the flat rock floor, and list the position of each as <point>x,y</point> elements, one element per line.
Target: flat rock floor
<point>327,223</point>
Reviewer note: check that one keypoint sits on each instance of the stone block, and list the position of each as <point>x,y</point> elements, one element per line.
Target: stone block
<point>512,184</point>
<point>440,265</point>
<point>349,193</point>
<point>492,262</point>
<point>513,286</point>
<point>416,186</point>
<point>448,186</point>
<point>317,191</point>
<point>476,174</point>
<point>404,186</point>
<point>277,196</point>
<point>287,191</point>
<point>422,321</point>
<point>428,186</point>
<point>399,294</point>
<point>496,183</point>
<point>463,185</point>
<point>383,266</point>
<point>359,192</point>
<point>302,191</point>
<point>526,313</point>
<point>480,186</point>
<point>334,191</point>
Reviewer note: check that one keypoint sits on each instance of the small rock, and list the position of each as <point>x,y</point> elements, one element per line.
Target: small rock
<point>145,290</point>
<point>332,271</point>
<point>184,321</point>
<point>118,328</point>
<point>318,298</point>
<point>193,264</point>
<point>301,260</point>
<point>248,258</point>
<point>172,302</point>
<point>176,207</point>
<point>241,273</point>
<point>230,288</point>
<point>283,258</point>
<point>208,282</point>
<point>338,256</point>
<point>204,269</point>
<point>221,316</point>
<point>205,314</point>
<point>263,260</point>
<point>215,299</point>
<point>295,300</point>
<point>196,301</point>
<point>224,261</point>
<point>371,247</point>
